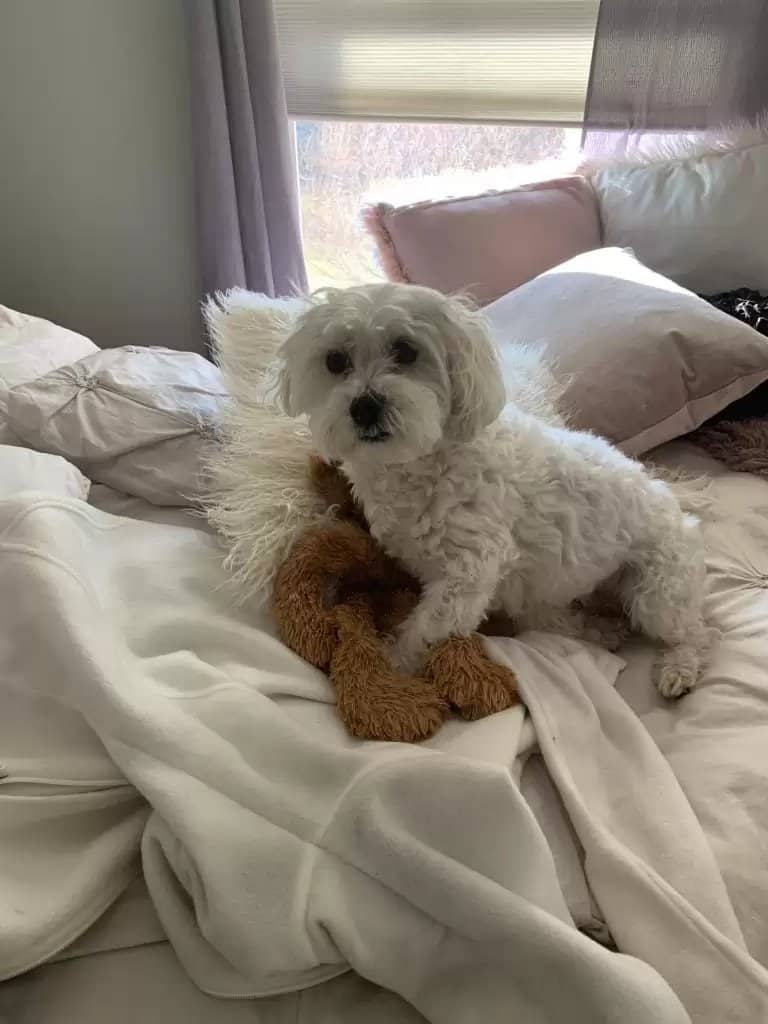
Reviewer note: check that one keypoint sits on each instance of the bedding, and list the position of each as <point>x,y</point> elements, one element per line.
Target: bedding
<point>716,740</point>
<point>23,469</point>
<point>738,435</point>
<point>226,734</point>
<point>746,304</point>
<point>147,984</point>
<point>486,245</point>
<point>136,419</point>
<point>172,716</point>
<point>30,347</point>
<point>694,211</point>
<point>145,713</point>
<point>750,307</point>
<point>614,328</point>
<point>741,444</point>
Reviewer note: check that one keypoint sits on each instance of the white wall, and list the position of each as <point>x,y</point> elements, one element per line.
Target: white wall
<point>96,192</point>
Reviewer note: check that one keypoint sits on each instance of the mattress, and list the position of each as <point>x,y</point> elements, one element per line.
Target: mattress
<point>714,740</point>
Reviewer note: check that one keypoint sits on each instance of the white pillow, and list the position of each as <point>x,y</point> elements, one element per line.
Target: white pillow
<point>700,219</point>
<point>30,347</point>
<point>641,360</point>
<point>25,470</point>
<point>134,418</point>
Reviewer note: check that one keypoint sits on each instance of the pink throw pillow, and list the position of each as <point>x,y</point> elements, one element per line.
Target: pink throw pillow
<point>486,245</point>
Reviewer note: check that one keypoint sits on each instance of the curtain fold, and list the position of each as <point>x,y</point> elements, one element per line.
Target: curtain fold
<point>675,66</point>
<point>247,188</point>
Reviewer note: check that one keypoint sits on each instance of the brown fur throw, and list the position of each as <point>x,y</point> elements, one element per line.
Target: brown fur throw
<point>337,596</point>
<point>742,445</point>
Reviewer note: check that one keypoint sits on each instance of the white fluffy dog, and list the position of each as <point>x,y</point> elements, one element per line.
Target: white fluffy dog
<point>403,388</point>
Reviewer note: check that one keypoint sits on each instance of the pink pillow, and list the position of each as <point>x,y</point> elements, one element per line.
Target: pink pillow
<point>486,245</point>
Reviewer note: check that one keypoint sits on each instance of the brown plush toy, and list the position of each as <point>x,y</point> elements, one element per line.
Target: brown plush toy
<point>338,595</point>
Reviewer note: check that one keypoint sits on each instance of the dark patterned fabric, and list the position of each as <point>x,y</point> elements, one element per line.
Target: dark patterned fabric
<point>751,308</point>
<point>744,304</point>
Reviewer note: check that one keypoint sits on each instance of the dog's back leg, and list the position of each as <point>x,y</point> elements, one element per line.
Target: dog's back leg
<point>664,594</point>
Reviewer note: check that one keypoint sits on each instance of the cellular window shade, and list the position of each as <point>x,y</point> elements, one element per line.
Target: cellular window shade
<point>474,60</point>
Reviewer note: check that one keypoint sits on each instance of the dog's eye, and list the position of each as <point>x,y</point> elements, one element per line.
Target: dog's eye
<point>403,352</point>
<point>337,362</point>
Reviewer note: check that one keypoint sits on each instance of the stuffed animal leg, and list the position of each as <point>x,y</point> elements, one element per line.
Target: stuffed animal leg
<point>374,701</point>
<point>324,612</point>
<point>466,678</point>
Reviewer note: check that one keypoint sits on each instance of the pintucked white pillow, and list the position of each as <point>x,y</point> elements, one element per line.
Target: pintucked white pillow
<point>30,347</point>
<point>137,419</point>
<point>641,360</point>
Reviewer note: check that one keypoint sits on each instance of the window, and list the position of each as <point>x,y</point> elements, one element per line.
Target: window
<point>344,164</point>
<point>422,98</point>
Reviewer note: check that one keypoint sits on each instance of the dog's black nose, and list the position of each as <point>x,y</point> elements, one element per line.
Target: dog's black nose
<point>365,410</point>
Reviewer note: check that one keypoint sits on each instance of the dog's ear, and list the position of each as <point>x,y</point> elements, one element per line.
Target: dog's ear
<point>292,368</point>
<point>477,386</point>
<point>290,375</point>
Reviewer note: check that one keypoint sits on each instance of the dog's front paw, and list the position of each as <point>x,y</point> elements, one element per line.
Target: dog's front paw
<point>405,656</point>
<point>468,680</point>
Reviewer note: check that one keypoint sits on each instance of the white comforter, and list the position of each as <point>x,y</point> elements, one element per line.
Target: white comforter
<point>140,710</point>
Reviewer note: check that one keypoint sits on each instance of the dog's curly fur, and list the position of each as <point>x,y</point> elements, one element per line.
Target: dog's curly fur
<point>335,596</point>
<point>487,511</point>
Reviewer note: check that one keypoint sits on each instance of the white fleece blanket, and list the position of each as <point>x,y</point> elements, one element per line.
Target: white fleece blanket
<point>139,709</point>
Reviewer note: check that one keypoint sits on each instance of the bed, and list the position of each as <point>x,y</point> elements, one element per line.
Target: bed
<point>188,833</point>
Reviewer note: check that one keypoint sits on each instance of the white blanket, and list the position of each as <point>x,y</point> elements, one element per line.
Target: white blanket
<point>279,852</point>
